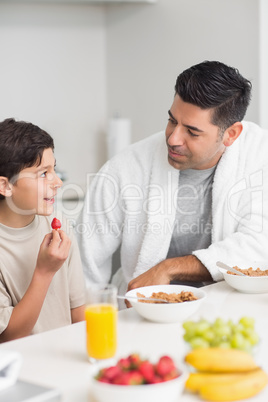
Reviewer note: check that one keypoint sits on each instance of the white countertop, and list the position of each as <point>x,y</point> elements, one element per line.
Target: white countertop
<point>58,358</point>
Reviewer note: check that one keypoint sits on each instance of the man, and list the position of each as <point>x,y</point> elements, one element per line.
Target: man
<point>177,203</point>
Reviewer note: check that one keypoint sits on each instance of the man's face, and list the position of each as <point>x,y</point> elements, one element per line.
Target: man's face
<point>36,187</point>
<point>193,141</point>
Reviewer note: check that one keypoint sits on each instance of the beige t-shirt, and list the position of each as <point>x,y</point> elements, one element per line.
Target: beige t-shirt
<point>18,254</point>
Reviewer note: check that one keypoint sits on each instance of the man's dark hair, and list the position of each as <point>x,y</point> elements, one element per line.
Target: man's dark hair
<point>21,145</point>
<point>214,85</point>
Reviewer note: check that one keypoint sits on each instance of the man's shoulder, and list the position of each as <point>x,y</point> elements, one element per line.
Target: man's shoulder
<point>253,143</point>
<point>253,139</point>
<point>252,132</point>
<point>152,139</point>
<point>141,152</point>
<point>146,145</point>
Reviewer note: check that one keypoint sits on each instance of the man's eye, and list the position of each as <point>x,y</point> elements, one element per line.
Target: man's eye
<point>192,134</point>
<point>172,121</point>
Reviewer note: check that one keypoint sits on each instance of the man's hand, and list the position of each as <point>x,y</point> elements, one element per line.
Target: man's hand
<point>53,252</point>
<point>187,268</point>
<point>157,275</point>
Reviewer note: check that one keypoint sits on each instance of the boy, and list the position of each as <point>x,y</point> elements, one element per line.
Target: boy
<point>41,280</point>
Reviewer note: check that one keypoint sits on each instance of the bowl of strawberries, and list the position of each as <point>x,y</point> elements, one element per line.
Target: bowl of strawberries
<point>134,379</point>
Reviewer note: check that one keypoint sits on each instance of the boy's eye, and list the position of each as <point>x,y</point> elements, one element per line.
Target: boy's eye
<point>43,174</point>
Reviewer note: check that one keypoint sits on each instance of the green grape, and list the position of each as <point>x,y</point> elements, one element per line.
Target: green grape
<point>247,322</point>
<point>238,328</point>
<point>253,338</point>
<point>225,345</point>
<point>188,325</point>
<point>209,335</point>
<point>237,341</point>
<point>218,322</point>
<point>199,342</point>
<point>247,332</point>
<point>190,328</point>
<point>231,324</point>
<point>216,341</point>
<point>187,337</point>
<point>201,327</point>
<point>223,331</point>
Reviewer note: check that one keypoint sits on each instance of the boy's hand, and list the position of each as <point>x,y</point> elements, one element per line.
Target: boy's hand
<point>53,252</point>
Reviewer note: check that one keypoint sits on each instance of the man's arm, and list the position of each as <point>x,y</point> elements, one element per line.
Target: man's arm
<point>187,268</point>
<point>52,254</point>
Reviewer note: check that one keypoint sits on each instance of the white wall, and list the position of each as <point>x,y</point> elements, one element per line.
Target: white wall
<point>149,45</point>
<point>53,73</point>
<point>62,64</point>
<point>264,63</point>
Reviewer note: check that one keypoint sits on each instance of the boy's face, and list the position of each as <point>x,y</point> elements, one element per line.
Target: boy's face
<point>35,187</point>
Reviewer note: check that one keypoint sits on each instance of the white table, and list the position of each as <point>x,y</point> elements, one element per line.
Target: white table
<point>58,358</point>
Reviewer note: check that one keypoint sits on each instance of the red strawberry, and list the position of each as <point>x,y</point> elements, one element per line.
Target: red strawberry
<point>129,378</point>
<point>165,365</point>
<point>56,224</point>
<point>135,378</point>
<point>122,379</point>
<point>111,372</point>
<point>124,363</point>
<point>147,371</point>
<point>135,360</point>
<point>103,379</point>
<point>156,379</point>
<point>170,376</point>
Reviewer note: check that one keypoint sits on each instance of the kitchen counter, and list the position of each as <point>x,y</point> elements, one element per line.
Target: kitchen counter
<point>58,358</point>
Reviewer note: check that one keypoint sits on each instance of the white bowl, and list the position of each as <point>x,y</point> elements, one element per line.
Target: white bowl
<point>166,313</point>
<point>165,391</point>
<point>247,284</point>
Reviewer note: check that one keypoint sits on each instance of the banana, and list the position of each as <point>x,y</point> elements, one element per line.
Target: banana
<point>196,380</point>
<point>247,386</point>
<point>220,360</point>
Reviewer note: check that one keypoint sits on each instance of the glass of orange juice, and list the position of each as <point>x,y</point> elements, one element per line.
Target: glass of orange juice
<point>101,322</point>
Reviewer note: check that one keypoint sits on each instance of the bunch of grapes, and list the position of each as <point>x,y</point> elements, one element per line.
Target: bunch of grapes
<point>221,333</point>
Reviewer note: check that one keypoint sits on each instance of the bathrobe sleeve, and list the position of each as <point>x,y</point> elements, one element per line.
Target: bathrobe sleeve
<point>99,227</point>
<point>240,203</point>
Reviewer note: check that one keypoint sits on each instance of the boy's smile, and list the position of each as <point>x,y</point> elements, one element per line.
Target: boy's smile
<point>34,190</point>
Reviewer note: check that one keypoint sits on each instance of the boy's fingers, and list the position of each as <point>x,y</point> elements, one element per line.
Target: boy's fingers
<point>60,239</point>
<point>47,240</point>
<point>55,236</point>
<point>62,234</point>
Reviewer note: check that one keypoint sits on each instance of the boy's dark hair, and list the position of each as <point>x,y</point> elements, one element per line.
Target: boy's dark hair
<point>214,85</point>
<point>21,145</point>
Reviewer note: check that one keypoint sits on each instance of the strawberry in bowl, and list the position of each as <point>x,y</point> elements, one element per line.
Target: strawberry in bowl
<point>135,379</point>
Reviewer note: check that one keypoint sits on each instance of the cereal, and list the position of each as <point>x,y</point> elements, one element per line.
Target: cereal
<point>170,297</point>
<point>250,272</point>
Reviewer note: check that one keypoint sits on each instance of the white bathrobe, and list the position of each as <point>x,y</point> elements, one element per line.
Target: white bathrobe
<point>132,201</point>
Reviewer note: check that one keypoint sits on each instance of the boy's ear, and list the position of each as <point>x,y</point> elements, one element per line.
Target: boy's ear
<point>232,133</point>
<point>5,187</point>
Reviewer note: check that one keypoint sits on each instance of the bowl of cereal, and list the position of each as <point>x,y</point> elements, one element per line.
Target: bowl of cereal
<point>255,279</point>
<point>183,301</point>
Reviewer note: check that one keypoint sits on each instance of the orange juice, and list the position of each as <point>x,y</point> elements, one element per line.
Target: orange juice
<point>101,325</point>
